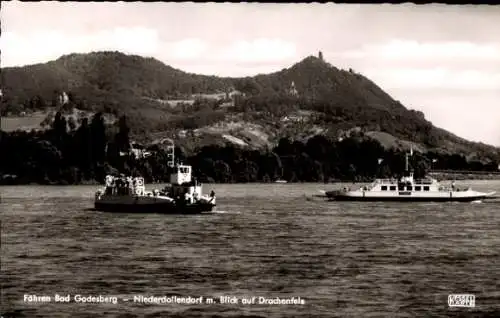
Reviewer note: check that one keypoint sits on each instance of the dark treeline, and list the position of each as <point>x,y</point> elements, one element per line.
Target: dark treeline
<point>65,154</point>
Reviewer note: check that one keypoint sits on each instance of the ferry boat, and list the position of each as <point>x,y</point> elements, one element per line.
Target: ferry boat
<point>407,189</point>
<point>280,181</point>
<point>183,196</point>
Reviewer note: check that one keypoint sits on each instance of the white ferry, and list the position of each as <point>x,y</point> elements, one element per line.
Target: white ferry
<point>280,181</point>
<point>183,196</point>
<point>407,189</point>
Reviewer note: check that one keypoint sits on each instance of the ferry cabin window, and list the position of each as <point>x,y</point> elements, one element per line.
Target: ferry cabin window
<point>401,188</point>
<point>409,188</point>
<point>426,188</point>
<point>392,188</point>
<point>384,188</point>
<point>418,188</point>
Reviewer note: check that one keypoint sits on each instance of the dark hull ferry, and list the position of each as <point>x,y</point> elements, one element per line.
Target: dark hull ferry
<point>183,196</point>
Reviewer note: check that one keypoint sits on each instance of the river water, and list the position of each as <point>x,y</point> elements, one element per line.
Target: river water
<point>265,240</point>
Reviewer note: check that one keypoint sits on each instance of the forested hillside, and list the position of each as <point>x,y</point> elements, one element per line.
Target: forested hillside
<point>250,115</point>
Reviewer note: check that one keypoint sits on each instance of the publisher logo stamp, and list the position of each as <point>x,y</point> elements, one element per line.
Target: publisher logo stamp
<point>462,300</point>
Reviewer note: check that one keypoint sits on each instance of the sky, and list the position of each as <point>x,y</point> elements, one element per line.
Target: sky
<point>440,59</point>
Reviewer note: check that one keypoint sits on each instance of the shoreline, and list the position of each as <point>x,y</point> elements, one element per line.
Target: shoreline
<point>439,177</point>
<point>454,176</point>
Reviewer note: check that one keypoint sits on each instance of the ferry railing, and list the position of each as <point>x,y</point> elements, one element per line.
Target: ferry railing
<point>423,181</point>
<point>379,181</point>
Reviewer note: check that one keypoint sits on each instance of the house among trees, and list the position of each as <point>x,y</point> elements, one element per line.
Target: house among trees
<point>233,93</point>
<point>63,98</point>
<point>228,95</point>
<point>137,151</point>
<point>293,91</point>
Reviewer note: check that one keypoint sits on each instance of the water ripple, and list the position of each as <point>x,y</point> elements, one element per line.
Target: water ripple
<point>344,259</point>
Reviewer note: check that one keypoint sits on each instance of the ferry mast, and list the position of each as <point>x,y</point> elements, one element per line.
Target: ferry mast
<point>170,153</point>
<point>409,173</point>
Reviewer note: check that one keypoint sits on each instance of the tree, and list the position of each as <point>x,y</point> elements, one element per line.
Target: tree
<point>122,139</point>
<point>60,130</point>
<point>55,101</point>
<point>421,169</point>
<point>270,165</point>
<point>222,171</point>
<point>48,159</point>
<point>247,171</point>
<point>82,147</point>
<point>98,138</point>
<point>71,124</point>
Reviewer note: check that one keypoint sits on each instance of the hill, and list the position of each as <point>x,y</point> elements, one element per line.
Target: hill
<point>309,98</point>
